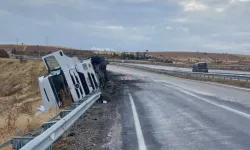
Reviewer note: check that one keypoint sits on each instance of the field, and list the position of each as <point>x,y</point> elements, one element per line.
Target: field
<point>20,97</point>
<point>177,57</point>
<point>40,50</point>
<point>201,56</point>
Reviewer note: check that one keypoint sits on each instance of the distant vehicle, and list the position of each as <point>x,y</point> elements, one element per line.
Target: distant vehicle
<point>200,67</point>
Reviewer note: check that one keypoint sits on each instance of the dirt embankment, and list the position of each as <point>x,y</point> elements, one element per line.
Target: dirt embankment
<point>20,97</point>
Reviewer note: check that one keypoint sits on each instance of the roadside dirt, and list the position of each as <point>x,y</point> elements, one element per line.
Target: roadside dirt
<point>100,128</point>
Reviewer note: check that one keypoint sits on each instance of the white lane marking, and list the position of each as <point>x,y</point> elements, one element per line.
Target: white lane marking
<point>140,138</point>
<point>208,101</point>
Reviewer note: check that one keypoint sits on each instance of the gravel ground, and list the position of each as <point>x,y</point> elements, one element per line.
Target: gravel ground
<point>100,127</point>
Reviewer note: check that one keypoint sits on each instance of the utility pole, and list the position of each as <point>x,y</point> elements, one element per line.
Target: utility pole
<point>16,40</point>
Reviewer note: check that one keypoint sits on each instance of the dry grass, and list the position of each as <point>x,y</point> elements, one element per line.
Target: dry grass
<point>34,50</point>
<point>21,123</point>
<point>19,97</point>
<point>27,108</point>
<point>66,98</point>
<point>19,78</point>
<point>202,56</point>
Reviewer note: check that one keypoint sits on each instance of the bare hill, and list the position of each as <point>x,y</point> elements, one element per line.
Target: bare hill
<point>43,50</point>
<point>201,56</point>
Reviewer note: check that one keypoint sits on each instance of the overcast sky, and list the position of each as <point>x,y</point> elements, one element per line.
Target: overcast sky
<point>156,25</point>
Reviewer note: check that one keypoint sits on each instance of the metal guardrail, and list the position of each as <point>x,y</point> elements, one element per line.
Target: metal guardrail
<point>25,57</point>
<point>54,128</point>
<point>197,74</point>
<point>243,67</point>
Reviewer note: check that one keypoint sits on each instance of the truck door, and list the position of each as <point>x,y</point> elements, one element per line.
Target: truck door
<point>88,80</point>
<point>77,84</point>
<point>82,70</point>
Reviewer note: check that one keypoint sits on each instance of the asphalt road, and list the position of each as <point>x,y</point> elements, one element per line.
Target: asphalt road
<point>190,69</point>
<point>162,112</point>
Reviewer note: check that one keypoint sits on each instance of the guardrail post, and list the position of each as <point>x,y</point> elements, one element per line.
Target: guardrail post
<point>6,144</point>
<point>47,125</point>
<point>64,113</point>
<point>18,142</point>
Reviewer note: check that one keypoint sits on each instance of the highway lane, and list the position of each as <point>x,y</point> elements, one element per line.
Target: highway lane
<point>181,114</point>
<point>190,69</point>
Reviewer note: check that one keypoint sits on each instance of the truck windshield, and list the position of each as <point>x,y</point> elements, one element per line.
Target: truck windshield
<point>51,63</point>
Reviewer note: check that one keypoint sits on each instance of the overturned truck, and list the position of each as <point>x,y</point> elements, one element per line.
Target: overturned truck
<point>100,64</point>
<point>69,80</point>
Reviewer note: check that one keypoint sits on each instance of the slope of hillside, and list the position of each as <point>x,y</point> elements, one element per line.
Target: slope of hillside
<point>40,50</point>
<point>208,57</point>
<point>20,97</point>
<point>19,47</point>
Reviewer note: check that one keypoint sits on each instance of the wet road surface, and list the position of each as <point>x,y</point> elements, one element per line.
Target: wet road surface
<point>161,112</point>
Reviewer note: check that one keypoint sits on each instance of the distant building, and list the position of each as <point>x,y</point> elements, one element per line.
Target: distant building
<point>3,54</point>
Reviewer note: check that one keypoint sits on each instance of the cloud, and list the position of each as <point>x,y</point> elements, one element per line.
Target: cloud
<point>177,29</point>
<point>230,48</point>
<point>57,2</point>
<point>180,20</point>
<point>168,28</point>
<point>207,25</point>
<point>219,9</point>
<point>112,27</point>
<point>219,46</point>
<point>190,5</point>
<point>135,1</point>
<point>235,1</point>
<point>3,13</point>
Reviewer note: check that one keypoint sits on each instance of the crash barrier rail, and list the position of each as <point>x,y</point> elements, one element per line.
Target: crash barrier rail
<point>212,66</point>
<point>55,128</point>
<point>195,74</point>
<point>14,56</point>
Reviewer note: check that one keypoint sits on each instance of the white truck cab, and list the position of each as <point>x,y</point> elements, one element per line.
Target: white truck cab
<point>68,77</point>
